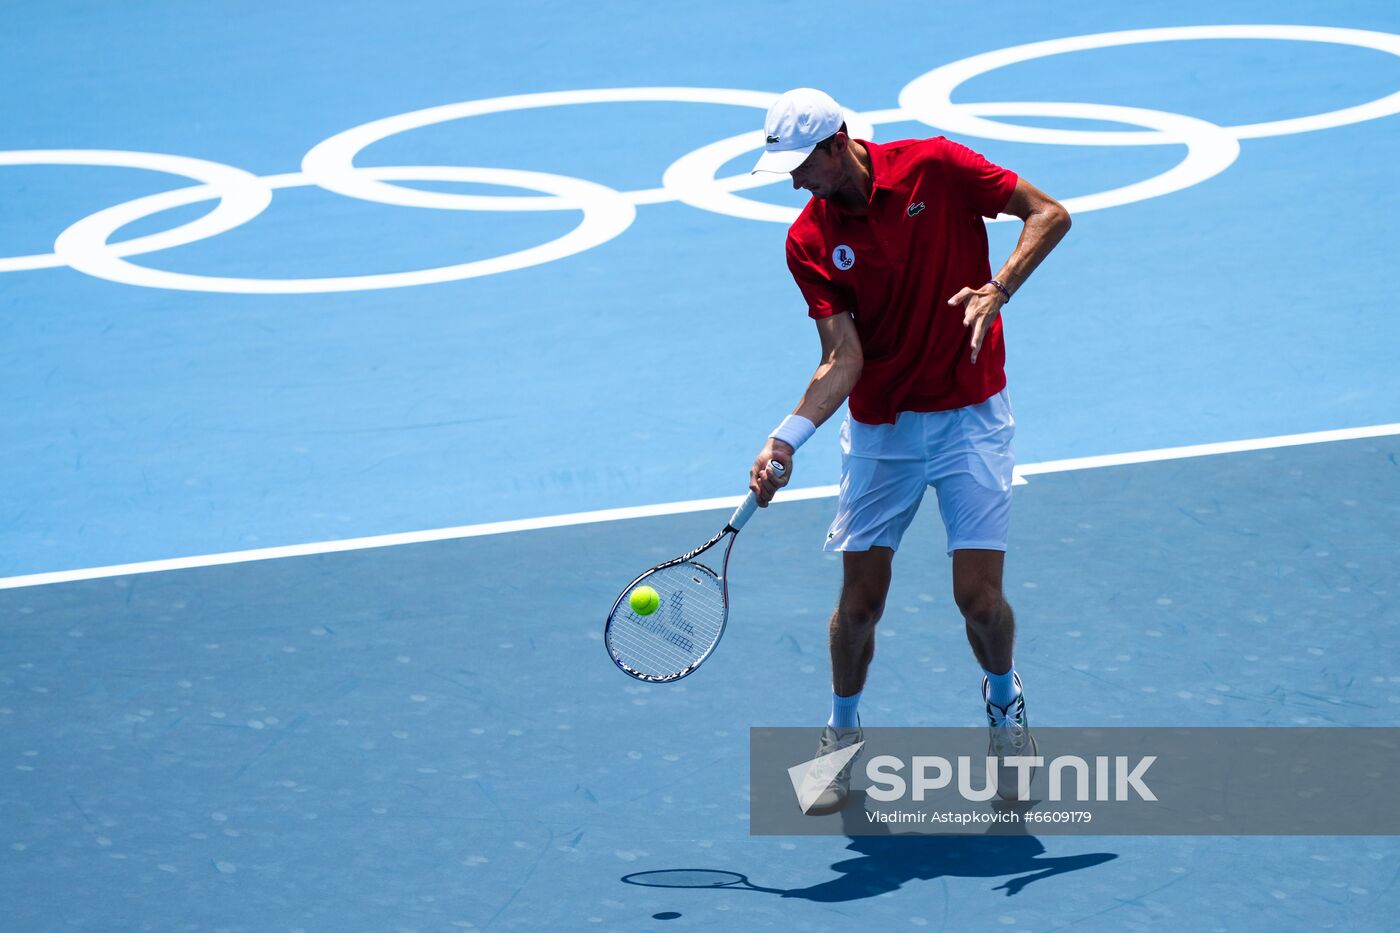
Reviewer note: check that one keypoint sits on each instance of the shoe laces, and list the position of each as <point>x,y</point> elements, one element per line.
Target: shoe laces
<point>1008,731</point>
<point>831,743</point>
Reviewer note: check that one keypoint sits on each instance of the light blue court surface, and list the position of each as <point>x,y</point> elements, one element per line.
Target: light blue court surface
<point>430,736</point>
<point>306,351</point>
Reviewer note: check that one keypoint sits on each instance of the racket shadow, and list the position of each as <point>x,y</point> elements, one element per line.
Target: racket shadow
<point>886,863</point>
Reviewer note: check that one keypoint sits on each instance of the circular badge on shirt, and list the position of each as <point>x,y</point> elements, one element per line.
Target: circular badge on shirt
<point>844,257</point>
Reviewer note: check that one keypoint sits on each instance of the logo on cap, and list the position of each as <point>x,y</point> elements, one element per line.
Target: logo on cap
<point>844,257</point>
<point>773,140</point>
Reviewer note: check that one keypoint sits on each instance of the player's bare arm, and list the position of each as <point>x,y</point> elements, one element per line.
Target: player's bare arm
<point>834,379</point>
<point>1045,223</point>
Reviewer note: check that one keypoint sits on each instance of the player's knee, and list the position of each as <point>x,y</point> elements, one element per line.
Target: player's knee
<point>859,613</point>
<point>981,605</point>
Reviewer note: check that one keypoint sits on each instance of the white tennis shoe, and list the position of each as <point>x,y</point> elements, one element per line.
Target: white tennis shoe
<point>838,788</point>
<point>1010,736</point>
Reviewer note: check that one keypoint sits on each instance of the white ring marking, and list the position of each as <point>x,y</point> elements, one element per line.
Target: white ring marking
<point>331,162</point>
<point>242,197</point>
<point>929,97</point>
<point>606,213</point>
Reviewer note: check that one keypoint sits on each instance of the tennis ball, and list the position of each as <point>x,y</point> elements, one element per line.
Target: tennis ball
<point>644,600</point>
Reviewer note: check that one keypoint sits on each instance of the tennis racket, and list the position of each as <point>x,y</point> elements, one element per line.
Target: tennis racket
<point>675,638</point>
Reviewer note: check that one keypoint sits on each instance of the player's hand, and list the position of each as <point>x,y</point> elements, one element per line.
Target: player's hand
<point>980,308</point>
<point>763,481</point>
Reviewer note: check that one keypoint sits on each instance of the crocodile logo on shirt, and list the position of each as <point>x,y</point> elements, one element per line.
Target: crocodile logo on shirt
<point>844,257</point>
<point>915,209</point>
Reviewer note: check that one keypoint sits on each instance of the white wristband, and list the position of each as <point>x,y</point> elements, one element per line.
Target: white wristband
<point>794,431</point>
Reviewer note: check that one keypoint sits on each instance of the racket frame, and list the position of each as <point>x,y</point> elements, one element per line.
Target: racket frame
<point>731,530</point>
<point>728,531</point>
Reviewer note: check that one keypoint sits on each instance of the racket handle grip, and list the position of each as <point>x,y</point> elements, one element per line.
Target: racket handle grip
<point>750,504</point>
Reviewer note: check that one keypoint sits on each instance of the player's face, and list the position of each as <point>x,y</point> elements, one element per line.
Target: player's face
<point>820,174</point>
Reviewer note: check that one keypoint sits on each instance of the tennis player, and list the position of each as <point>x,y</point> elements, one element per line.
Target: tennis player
<point>891,256</point>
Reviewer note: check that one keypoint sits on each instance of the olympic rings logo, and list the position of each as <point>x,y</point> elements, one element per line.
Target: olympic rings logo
<point>692,179</point>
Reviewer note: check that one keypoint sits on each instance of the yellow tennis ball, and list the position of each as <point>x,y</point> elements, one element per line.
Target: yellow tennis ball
<point>645,600</point>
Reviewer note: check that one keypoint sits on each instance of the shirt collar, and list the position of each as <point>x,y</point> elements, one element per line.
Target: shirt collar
<point>879,161</point>
<point>879,174</point>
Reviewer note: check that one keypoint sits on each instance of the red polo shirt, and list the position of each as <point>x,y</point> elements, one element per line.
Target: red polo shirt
<point>896,268</point>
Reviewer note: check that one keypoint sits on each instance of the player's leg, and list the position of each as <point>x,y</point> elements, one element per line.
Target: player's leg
<point>882,484</point>
<point>865,585</point>
<point>881,487</point>
<point>990,622</point>
<point>974,497</point>
<point>991,631</point>
<point>971,466</point>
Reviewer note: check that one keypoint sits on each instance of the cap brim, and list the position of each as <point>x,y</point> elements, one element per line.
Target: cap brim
<point>782,161</point>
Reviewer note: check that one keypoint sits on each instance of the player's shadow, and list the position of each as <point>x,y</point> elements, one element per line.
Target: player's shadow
<point>888,861</point>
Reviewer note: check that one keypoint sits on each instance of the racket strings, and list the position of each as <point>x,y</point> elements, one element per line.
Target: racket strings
<point>686,623</point>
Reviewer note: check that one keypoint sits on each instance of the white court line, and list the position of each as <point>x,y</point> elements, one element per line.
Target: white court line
<point>667,508</point>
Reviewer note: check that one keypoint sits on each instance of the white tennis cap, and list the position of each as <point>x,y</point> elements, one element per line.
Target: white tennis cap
<point>796,122</point>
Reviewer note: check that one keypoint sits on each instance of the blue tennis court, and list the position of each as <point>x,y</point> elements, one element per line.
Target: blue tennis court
<point>356,355</point>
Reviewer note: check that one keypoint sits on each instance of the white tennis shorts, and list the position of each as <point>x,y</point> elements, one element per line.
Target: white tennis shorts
<point>964,454</point>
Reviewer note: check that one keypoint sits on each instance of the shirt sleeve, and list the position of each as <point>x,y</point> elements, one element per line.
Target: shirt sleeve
<point>985,186</point>
<point>824,297</point>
